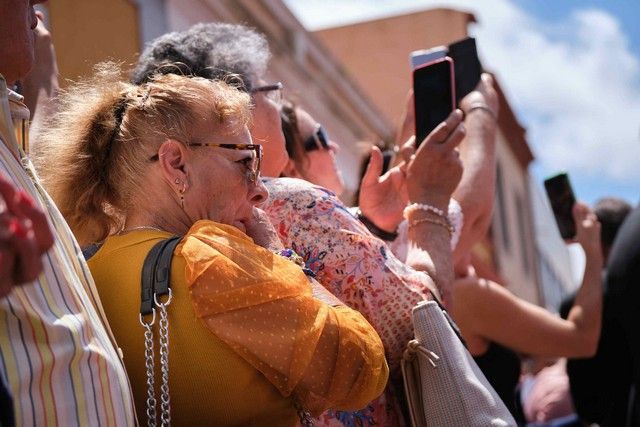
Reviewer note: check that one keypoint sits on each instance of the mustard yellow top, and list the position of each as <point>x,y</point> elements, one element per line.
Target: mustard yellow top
<point>247,337</point>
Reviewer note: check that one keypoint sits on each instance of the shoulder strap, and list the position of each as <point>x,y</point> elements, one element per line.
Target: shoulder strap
<point>156,272</point>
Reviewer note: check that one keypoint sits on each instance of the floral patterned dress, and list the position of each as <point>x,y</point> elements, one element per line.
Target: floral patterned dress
<point>359,269</point>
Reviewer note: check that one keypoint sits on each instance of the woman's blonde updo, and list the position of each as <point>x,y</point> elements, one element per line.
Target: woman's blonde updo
<point>95,150</point>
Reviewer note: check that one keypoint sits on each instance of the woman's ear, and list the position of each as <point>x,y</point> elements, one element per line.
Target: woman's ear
<point>172,157</point>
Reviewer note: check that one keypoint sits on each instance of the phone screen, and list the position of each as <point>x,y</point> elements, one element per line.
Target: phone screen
<point>562,200</point>
<point>434,95</point>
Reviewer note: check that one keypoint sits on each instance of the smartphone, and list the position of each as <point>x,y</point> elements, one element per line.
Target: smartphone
<point>434,95</point>
<point>466,65</point>
<point>422,57</point>
<point>562,199</point>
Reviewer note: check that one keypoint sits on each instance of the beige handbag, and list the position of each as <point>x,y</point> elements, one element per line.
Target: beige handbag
<point>443,384</point>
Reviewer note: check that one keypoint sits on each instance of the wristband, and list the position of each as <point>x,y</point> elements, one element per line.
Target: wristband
<point>388,236</point>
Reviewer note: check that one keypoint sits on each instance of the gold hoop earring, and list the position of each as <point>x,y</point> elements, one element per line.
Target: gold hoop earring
<point>182,191</point>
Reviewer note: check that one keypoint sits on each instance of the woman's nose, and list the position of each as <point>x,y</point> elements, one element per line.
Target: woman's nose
<point>333,146</point>
<point>259,193</point>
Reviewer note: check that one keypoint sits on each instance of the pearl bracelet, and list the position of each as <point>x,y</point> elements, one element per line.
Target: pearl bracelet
<point>422,207</point>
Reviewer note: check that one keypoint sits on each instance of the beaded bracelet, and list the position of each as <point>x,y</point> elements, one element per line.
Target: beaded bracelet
<point>292,256</point>
<point>422,207</point>
<point>435,221</point>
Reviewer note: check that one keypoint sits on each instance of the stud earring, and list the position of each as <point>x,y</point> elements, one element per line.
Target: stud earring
<point>177,181</point>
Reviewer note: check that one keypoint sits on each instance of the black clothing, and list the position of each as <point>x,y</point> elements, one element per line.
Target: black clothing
<point>601,386</point>
<point>501,366</point>
<point>6,406</point>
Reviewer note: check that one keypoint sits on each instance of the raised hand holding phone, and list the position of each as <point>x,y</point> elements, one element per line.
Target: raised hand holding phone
<point>435,169</point>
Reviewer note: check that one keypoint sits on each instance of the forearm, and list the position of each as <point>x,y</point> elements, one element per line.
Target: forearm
<point>475,193</point>
<point>430,251</point>
<point>586,313</point>
<point>350,359</point>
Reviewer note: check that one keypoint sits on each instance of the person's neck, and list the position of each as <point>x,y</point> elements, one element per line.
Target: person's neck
<point>168,217</point>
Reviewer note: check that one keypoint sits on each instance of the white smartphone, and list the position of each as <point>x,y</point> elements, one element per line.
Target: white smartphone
<point>418,58</point>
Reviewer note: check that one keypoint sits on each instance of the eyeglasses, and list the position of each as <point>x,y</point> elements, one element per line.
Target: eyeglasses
<point>273,91</point>
<point>318,140</point>
<point>253,163</point>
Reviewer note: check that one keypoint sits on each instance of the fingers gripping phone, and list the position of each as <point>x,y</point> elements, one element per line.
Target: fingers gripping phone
<point>434,95</point>
<point>562,200</point>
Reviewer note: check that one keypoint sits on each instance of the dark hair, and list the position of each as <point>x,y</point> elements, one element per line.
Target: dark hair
<point>611,212</point>
<point>292,137</point>
<point>211,51</point>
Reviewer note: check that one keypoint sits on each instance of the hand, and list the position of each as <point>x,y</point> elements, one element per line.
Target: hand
<point>383,198</point>
<point>483,94</point>
<point>24,237</point>
<point>435,169</point>
<point>259,228</point>
<point>587,229</point>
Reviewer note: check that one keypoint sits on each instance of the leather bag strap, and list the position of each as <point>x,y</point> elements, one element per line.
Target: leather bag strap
<point>156,273</point>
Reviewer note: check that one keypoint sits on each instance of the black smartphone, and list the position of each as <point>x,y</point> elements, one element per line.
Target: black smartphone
<point>434,95</point>
<point>562,200</point>
<point>467,66</point>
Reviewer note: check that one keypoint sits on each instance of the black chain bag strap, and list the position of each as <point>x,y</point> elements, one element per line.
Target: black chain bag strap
<point>155,285</point>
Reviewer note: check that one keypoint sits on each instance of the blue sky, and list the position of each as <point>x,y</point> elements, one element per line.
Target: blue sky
<point>571,71</point>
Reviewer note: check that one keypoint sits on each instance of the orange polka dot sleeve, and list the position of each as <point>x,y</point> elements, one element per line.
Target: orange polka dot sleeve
<point>262,306</point>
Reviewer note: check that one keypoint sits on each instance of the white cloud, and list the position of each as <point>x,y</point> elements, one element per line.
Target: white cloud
<point>574,84</point>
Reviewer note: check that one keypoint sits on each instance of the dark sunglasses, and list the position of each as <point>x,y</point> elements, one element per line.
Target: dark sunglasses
<point>318,140</point>
<point>273,91</point>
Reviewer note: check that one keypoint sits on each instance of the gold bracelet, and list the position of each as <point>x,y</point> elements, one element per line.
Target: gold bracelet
<point>435,221</point>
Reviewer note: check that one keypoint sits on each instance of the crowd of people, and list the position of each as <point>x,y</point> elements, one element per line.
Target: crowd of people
<point>279,304</point>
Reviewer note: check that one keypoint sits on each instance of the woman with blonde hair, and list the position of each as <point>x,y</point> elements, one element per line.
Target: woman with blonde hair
<point>251,340</point>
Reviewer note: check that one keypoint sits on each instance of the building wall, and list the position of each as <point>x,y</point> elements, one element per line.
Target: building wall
<point>512,226</point>
<point>86,33</point>
<point>556,277</point>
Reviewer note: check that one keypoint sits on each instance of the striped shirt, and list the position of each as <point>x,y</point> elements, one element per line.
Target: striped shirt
<point>57,352</point>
